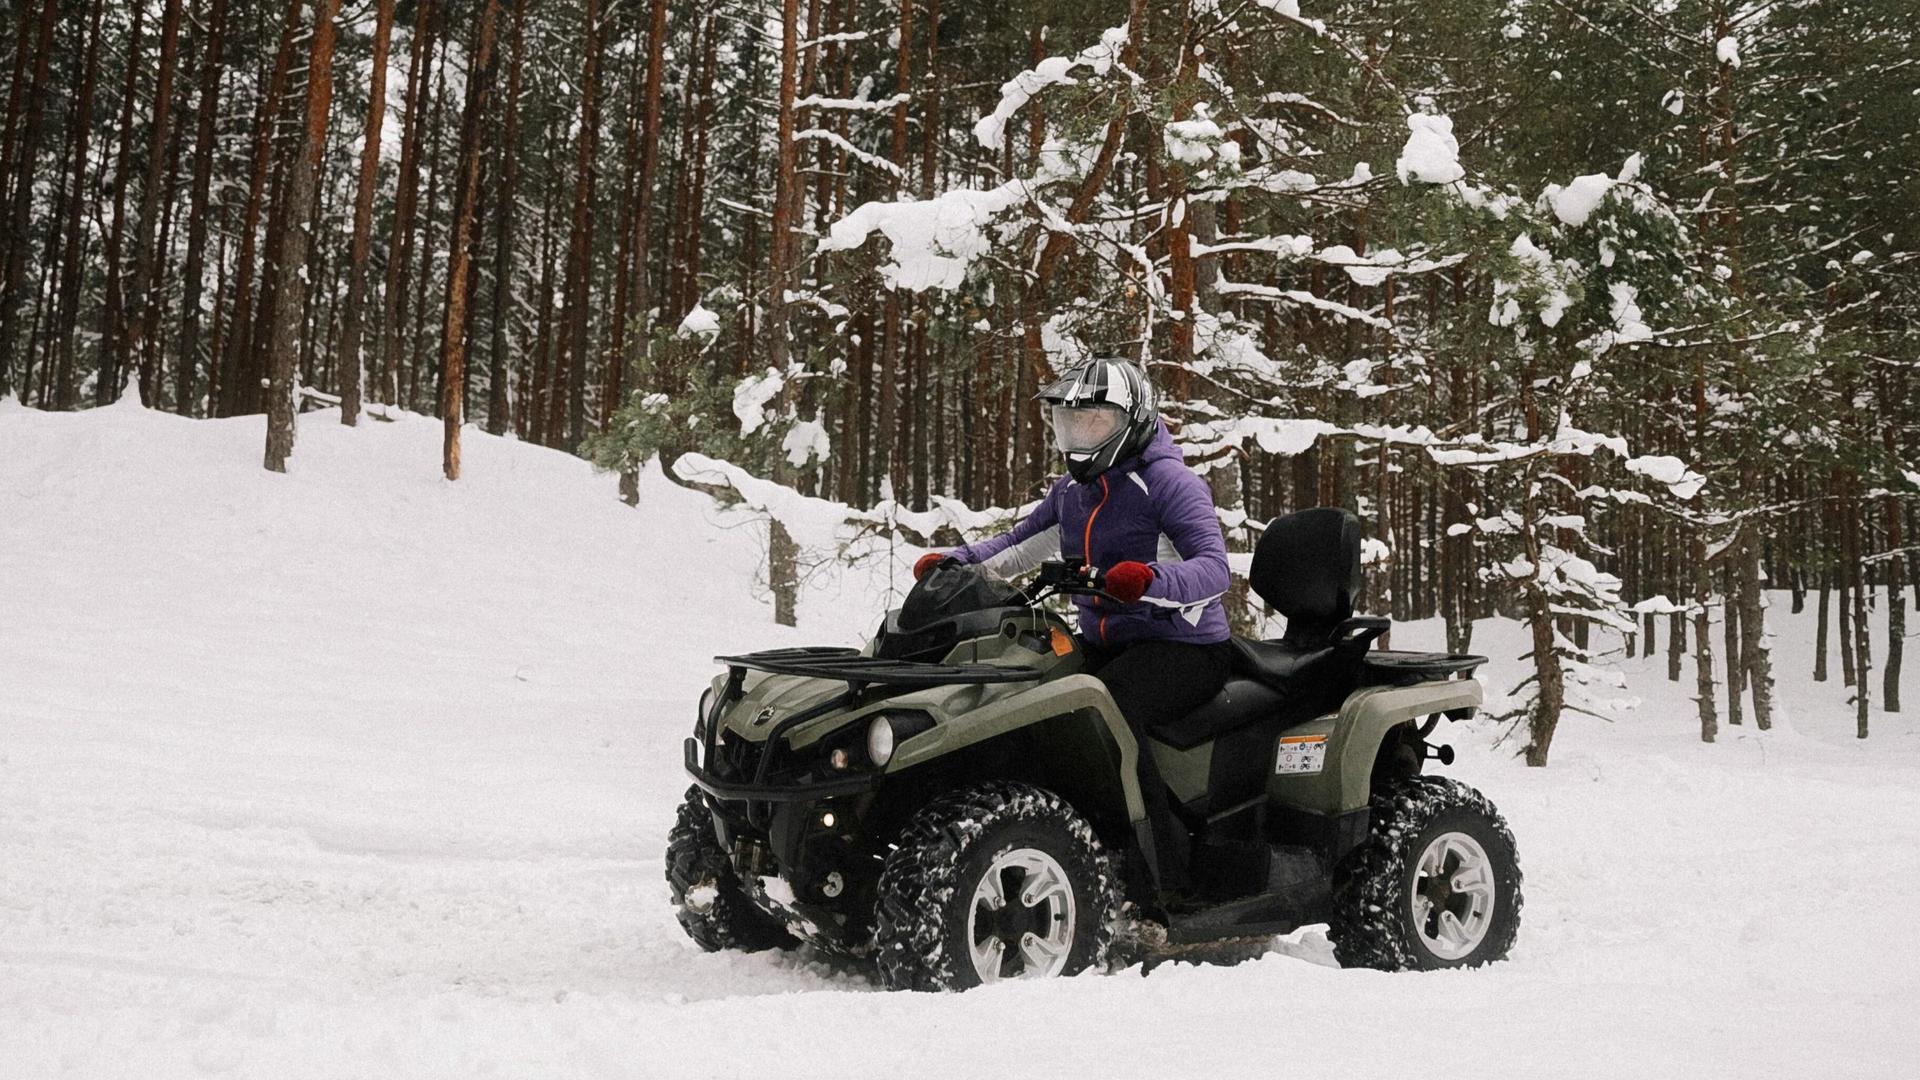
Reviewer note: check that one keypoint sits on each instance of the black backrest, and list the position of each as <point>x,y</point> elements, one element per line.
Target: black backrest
<point>1307,567</point>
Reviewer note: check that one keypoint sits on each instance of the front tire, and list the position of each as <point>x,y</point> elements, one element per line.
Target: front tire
<point>1435,885</point>
<point>996,881</point>
<point>708,898</point>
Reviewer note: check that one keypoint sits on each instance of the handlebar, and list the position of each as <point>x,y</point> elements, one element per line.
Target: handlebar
<point>1057,577</point>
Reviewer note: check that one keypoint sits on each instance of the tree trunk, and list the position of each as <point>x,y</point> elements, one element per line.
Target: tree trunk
<point>782,554</point>
<point>107,384</point>
<point>500,371</point>
<point>1755,658</point>
<point>146,270</point>
<point>886,444</point>
<point>459,256</point>
<point>290,291</point>
<point>1857,586</point>
<point>1702,638</point>
<point>393,298</point>
<point>353,374</point>
<point>1730,625</point>
<point>571,363</point>
<point>67,311</point>
<point>640,343</point>
<point>238,365</point>
<point>212,66</point>
<point>27,158</point>
<point>1820,627</point>
<point>1896,609</point>
<point>534,411</point>
<point>416,349</point>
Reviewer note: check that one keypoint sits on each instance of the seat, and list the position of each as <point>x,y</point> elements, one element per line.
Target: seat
<point>1239,703</point>
<point>1307,567</point>
<point>1279,665</point>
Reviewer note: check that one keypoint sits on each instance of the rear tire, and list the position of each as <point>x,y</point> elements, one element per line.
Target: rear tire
<point>707,895</point>
<point>999,880</point>
<point>1435,885</point>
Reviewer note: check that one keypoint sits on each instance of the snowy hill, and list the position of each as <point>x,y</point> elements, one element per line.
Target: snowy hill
<point>355,772</point>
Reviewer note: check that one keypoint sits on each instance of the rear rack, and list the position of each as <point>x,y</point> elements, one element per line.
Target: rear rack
<point>1404,668</point>
<point>825,662</point>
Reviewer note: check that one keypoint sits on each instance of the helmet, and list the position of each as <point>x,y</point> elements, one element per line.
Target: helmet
<point>1103,411</point>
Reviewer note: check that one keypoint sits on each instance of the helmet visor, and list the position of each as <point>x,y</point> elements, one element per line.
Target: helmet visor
<point>1079,429</point>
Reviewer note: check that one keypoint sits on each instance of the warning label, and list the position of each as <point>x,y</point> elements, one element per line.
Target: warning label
<point>1301,754</point>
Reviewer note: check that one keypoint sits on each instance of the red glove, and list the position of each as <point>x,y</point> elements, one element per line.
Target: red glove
<point>927,562</point>
<point>1128,580</point>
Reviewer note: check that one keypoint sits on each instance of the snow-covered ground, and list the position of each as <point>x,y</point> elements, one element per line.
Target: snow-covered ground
<point>355,772</point>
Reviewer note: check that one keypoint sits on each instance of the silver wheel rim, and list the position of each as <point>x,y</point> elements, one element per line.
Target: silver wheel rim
<point>1453,895</point>
<point>1020,921</point>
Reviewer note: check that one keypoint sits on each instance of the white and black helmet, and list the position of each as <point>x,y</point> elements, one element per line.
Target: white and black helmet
<point>1103,411</point>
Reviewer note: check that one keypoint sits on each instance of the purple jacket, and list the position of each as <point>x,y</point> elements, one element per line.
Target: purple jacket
<point>1150,509</point>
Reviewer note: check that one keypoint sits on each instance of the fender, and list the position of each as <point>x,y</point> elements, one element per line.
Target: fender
<point>1353,737</point>
<point>1053,700</point>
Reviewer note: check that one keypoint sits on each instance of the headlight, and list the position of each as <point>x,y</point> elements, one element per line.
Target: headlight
<point>888,731</point>
<point>880,741</point>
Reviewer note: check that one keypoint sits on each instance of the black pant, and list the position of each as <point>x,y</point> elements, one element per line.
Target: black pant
<point>1153,683</point>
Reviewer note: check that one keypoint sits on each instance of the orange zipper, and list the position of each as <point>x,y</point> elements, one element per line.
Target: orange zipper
<point>1086,546</point>
<point>1086,542</point>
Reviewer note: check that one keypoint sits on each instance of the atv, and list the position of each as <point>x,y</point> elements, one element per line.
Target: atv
<point>958,803</point>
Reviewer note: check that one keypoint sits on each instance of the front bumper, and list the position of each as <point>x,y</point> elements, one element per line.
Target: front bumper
<point>802,791</point>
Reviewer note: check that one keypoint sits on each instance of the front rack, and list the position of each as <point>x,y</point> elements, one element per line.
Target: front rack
<point>824,662</point>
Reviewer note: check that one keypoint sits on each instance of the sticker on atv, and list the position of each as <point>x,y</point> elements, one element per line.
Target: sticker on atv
<point>1301,754</point>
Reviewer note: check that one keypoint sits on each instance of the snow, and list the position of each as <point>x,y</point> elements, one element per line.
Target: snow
<point>1727,50</point>
<point>933,241</point>
<point>357,772</point>
<point>1629,325</point>
<point>1555,300</point>
<point>806,440</point>
<point>1195,141</point>
<point>1671,471</point>
<point>1432,154</point>
<point>991,129</point>
<point>841,143</point>
<point>698,321</point>
<point>1574,203</point>
<point>750,397</point>
<point>815,524</point>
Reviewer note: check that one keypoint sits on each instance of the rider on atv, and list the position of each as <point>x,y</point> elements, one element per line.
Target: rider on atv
<point>1143,525</point>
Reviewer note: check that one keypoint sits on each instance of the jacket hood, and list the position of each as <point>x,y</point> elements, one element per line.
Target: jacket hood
<point>1161,447</point>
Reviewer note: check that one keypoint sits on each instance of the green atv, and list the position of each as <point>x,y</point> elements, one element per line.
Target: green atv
<point>959,804</point>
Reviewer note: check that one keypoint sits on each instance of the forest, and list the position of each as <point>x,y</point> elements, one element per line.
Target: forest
<point>1601,315</point>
